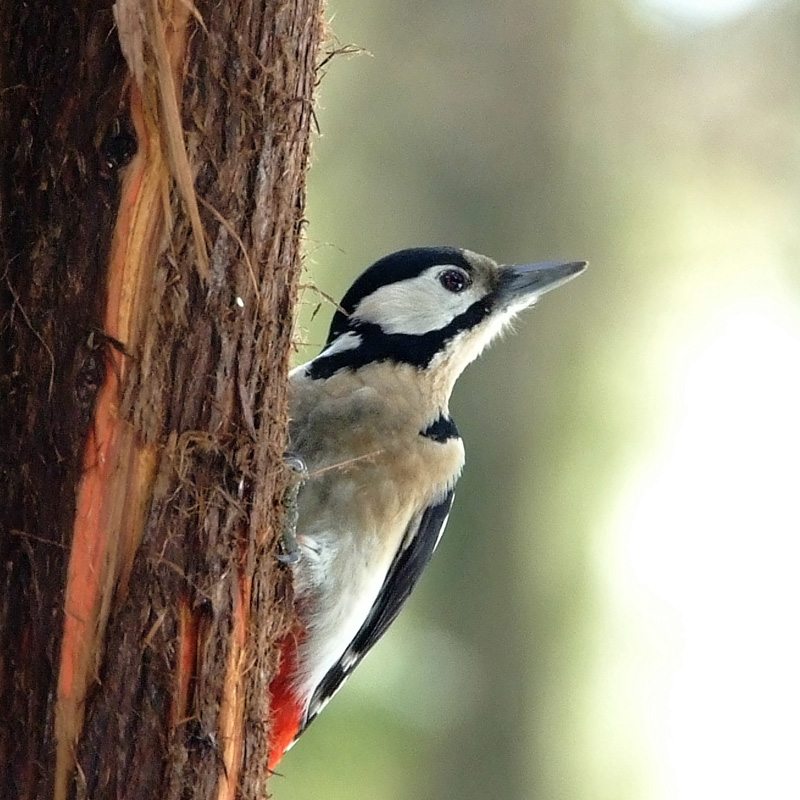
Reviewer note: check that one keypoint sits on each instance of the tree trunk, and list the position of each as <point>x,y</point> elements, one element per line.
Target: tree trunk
<point>152,187</point>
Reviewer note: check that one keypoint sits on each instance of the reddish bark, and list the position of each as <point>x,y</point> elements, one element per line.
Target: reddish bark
<point>151,211</point>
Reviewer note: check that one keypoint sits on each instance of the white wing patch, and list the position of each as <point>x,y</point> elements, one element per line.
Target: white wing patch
<point>347,341</point>
<point>334,626</point>
<point>421,538</point>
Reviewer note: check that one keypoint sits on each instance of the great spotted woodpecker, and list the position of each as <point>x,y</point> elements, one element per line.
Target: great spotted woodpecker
<point>370,421</point>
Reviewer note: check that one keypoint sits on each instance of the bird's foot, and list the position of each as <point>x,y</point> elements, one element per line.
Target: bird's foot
<point>299,470</point>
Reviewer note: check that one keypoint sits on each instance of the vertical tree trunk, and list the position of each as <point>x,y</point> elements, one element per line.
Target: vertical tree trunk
<point>151,204</point>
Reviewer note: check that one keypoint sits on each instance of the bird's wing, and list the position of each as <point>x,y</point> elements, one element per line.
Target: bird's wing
<point>421,538</point>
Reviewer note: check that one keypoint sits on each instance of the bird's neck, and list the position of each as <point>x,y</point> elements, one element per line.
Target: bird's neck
<point>425,393</point>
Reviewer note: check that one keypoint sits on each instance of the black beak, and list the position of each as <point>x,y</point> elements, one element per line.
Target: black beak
<point>526,283</point>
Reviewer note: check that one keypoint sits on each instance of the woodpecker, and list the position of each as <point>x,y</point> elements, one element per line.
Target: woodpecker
<point>370,422</point>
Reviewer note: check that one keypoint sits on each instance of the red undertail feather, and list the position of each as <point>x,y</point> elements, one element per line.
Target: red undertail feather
<point>285,712</point>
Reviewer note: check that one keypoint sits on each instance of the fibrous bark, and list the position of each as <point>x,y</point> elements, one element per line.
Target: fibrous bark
<point>151,203</point>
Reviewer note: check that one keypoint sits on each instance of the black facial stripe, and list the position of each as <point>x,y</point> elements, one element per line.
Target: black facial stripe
<point>415,349</point>
<point>441,430</point>
<point>393,268</point>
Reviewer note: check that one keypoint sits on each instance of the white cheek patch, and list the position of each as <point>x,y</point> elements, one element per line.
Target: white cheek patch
<point>415,306</point>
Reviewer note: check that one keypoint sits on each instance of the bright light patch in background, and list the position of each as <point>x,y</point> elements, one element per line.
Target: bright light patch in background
<point>711,538</point>
<point>704,12</point>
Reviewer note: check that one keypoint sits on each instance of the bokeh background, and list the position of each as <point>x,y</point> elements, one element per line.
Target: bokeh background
<point>613,612</point>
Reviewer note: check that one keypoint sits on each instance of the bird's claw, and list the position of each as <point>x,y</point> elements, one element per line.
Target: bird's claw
<point>291,549</point>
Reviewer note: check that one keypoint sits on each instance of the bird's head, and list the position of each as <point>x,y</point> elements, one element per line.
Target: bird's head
<point>432,308</point>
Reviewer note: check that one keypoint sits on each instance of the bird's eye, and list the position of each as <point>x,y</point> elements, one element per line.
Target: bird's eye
<point>454,280</point>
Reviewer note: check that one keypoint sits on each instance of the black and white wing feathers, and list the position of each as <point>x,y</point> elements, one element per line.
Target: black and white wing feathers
<point>421,539</point>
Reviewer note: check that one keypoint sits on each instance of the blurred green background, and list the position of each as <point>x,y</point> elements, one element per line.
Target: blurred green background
<point>613,610</point>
